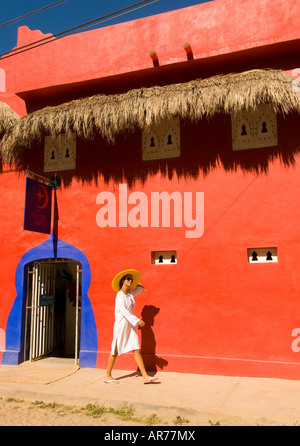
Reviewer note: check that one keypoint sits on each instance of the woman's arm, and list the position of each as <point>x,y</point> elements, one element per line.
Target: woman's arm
<point>131,318</point>
<point>137,290</point>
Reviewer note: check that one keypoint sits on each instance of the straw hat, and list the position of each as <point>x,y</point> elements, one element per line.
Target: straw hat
<point>132,272</point>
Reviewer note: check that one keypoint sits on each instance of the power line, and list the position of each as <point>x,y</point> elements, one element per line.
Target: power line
<point>37,11</point>
<point>86,25</point>
<point>82,27</point>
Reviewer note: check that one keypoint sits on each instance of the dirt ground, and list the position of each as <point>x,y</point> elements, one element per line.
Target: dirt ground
<point>20,412</point>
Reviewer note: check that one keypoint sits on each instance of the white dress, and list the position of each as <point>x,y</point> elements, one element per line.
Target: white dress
<point>125,335</point>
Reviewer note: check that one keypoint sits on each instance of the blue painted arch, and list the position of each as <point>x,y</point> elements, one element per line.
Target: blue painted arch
<point>53,248</point>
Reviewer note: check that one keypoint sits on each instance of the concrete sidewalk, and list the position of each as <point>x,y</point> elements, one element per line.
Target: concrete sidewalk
<point>256,401</point>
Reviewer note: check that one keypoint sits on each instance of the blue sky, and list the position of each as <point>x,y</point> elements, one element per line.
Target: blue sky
<point>72,13</point>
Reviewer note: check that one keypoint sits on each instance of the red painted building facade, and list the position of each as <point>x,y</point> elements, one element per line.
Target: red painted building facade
<point>213,228</point>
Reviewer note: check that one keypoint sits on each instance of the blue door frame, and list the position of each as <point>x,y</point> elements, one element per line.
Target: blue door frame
<point>53,248</point>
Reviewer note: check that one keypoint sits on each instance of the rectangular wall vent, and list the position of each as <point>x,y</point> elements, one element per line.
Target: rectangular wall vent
<point>164,257</point>
<point>262,255</point>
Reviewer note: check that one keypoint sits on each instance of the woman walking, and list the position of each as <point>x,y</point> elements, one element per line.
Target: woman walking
<point>125,337</point>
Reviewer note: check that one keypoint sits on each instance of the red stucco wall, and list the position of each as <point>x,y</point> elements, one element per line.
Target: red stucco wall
<point>218,313</point>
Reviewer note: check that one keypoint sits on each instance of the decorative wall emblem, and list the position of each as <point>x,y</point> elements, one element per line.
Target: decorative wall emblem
<point>253,129</point>
<point>60,152</point>
<point>161,140</point>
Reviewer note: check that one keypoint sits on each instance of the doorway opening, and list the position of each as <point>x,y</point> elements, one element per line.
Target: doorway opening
<point>51,250</point>
<point>53,309</point>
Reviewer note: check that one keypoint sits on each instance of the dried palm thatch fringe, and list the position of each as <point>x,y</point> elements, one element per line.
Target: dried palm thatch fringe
<point>7,118</point>
<point>113,114</point>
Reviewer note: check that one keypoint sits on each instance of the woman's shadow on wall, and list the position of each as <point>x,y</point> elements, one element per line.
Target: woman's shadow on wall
<point>148,343</point>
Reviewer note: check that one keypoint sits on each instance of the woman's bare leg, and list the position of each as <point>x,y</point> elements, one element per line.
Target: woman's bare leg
<point>110,364</point>
<point>140,363</point>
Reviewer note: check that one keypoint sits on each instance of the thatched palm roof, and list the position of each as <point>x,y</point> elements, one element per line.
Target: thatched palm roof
<point>7,118</point>
<point>112,114</point>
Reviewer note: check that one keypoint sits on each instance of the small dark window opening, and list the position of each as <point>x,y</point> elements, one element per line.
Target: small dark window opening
<point>264,128</point>
<point>243,130</point>
<point>269,256</point>
<point>152,143</point>
<point>254,256</point>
